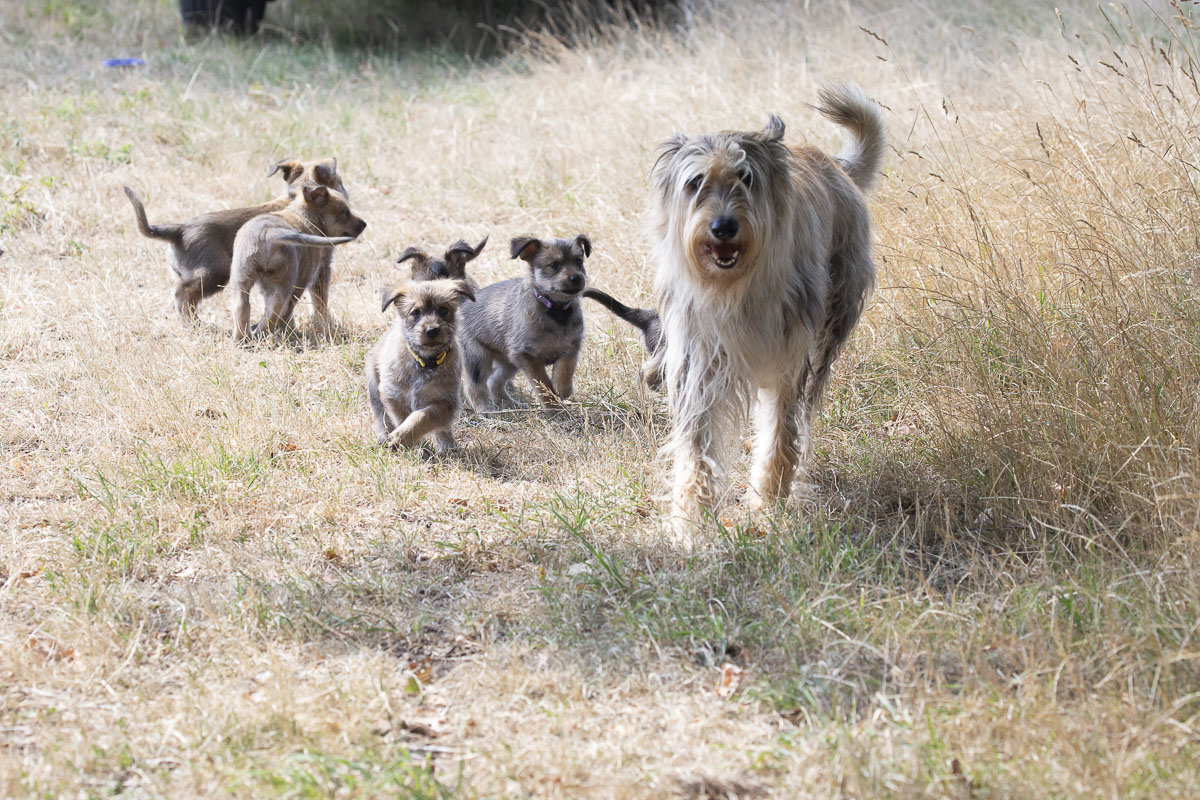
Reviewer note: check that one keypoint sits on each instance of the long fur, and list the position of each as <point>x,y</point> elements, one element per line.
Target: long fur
<point>760,314</point>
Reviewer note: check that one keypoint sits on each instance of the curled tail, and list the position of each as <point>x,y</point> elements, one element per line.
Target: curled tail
<point>172,233</point>
<point>862,156</point>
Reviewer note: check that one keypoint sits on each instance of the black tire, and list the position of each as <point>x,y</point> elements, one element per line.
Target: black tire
<point>240,16</point>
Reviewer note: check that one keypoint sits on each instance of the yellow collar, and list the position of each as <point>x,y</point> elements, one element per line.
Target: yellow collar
<point>430,364</point>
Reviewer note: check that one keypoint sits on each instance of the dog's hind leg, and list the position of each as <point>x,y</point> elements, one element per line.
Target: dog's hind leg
<point>319,293</point>
<point>563,375</point>
<point>776,445</point>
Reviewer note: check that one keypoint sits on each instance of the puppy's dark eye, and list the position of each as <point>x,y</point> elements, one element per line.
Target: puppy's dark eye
<point>694,184</point>
<point>345,212</point>
<point>555,265</point>
<point>415,313</point>
<point>443,312</point>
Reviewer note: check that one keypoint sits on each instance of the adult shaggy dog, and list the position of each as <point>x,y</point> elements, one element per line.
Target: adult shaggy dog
<point>764,266</point>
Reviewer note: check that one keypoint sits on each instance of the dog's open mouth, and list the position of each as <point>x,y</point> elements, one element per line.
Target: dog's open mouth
<point>725,255</point>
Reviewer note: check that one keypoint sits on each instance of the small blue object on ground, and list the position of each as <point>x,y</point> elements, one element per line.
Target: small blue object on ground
<point>124,62</point>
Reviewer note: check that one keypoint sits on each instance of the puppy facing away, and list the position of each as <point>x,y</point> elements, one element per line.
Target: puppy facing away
<point>414,371</point>
<point>764,267</point>
<point>645,320</point>
<point>452,264</point>
<point>202,247</point>
<point>528,324</point>
<point>284,251</point>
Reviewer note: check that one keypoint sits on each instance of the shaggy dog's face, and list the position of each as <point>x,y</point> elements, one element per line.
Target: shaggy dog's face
<point>719,195</point>
<point>427,310</point>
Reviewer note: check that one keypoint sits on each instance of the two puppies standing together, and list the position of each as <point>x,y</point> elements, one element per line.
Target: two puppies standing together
<point>528,324</point>
<point>285,246</point>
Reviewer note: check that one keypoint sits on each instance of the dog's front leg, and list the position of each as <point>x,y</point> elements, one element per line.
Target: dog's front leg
<point>776,444</point>
<point>563,380</point>
<point>416,425</point>
<point>240,285</point>
<point>536,372</point>
<point>319,292</point>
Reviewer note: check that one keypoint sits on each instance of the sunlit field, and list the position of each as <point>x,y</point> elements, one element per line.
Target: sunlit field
<point>987,584</point>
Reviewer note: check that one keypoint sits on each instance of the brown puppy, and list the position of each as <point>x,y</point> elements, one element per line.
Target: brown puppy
<point>413,373</point>
<point>284,252</point>
<point>453,264</point>
<point>202,247</point>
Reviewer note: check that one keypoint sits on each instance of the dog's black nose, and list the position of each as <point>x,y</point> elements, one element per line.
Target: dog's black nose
<point>432,331</point>
<point>575,280</point>
<point>724,228</point>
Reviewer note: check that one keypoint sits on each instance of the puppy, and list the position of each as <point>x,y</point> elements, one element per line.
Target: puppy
<point>414,371</point>
<point>453,264</point>
<point>764,267</point>
<point>202,247</point>
<point>284,251</point>
<point>529,324</point>
<point>645,320</point>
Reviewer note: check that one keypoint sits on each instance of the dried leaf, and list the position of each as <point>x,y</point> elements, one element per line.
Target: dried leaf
<point>731,680</point>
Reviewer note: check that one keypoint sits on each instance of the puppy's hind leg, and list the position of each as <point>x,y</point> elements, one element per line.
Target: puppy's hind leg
<point>478,366</point>
<point>319,293</point>
<point>379,417</point>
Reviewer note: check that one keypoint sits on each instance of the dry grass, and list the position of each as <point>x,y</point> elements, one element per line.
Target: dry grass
<point>210,584</point>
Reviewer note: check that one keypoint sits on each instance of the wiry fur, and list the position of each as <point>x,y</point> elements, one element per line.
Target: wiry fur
<point>284,252</point>
<point>764,266</point>
<point>452,264</point>
<point>509,328</point>
<point>202,247</point>
<point>647,321</point>
<point>411,402</point>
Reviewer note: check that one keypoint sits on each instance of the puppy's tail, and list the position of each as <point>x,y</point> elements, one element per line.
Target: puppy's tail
<point>172,233</point>
<point>862,156</point>
<point>308,240</point>
<point>640,318</point>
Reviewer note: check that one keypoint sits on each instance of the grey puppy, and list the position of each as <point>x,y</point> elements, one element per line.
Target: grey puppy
<point>645,320</point>
<point>452,264</point>
<point>414,371</point>
<point>284,251</point>
<point>528,324</point>
<point>202,247</point>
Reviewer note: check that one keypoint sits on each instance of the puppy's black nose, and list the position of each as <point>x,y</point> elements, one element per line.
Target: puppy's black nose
<point>432,331</point>
<point>724,228</point>
<point>575,280</point>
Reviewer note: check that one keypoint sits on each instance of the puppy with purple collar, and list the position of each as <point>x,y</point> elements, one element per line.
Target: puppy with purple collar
<point>527,324</point>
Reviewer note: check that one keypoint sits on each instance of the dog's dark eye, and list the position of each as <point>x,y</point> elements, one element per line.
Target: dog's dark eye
<point>694,184</point>
<point>746,177</point>
<point>415,313</point>
<point>554,266</point>
<point>443,312</point>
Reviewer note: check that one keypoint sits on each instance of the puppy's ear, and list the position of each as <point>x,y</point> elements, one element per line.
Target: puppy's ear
<point>290,168</point>
<point>524,247</point>
<point>392,294</point>
<point>316,194</point>
<point>464,290</point>
<point>479,247</point>
<point>774,129</point>
<point>325,171</point>
<point>585,243</point>
<point>412,252</point>
<point>460,253</point>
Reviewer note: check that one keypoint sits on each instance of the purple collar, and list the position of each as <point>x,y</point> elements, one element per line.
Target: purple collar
<point>550,304</point>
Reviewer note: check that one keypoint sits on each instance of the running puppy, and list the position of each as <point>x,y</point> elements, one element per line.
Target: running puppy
<point>452,264</point>
<point>645,320</point>
<point>764,266</point>
<point>414,371</point>
<point>528,324</point>
<point>284,251</point>
<point>202,247</point>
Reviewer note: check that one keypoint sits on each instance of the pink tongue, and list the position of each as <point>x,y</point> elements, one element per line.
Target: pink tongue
<point>724,251</point>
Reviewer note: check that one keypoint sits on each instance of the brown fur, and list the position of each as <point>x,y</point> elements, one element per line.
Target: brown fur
<point>283,253</point>
<point>202,247</point>
<point>410,401</point>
